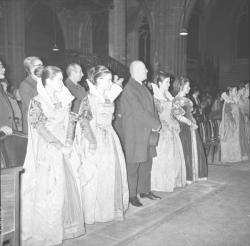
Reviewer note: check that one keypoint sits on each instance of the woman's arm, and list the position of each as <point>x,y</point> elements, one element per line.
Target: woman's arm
<point>178,112</point>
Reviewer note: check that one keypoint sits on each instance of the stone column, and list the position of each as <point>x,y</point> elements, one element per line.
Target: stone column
<point>117,31</point>
<point>12,45</point>
<point>167,45</point>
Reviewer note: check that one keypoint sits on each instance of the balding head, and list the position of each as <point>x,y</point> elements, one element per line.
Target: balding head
<point>138,71</point>
<point>74,72</point>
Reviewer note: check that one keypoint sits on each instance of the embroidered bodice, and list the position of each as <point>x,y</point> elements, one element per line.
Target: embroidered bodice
<point>102,111</point>
<point>166,114</point>
<point>183,106</point>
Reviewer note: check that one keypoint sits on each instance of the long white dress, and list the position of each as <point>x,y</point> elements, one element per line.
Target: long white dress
<point>103,173</point>
<point>230,133</point>
<point>50,200</point>
<point>168,169</point>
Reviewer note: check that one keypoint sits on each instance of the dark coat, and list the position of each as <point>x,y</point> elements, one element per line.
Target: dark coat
<point>6,111</point>
<point>138,118</point>
<point>27,91</point>
<point>78,92</point>
<point>197,111</point>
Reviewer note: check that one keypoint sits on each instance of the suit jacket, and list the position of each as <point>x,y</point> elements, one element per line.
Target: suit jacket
<point>6,111</point>
<point>197,111</point>
<point>27,91</point>
<point>78,92</point>
<point>138,118</point>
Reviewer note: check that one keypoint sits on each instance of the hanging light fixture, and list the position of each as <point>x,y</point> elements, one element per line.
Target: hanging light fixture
<point>55,47</point>
<point>183,30</point>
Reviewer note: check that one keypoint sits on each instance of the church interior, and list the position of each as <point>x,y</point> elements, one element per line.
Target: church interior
<point>206,41</point>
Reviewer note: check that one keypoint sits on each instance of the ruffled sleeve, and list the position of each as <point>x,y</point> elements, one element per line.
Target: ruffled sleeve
<point>36,116</point>
<point>37,120</point>
<point>178,112</point>
<point>158,105</point>
<point>177,109</point>
<point>85,115</point>
<point>84,111</point>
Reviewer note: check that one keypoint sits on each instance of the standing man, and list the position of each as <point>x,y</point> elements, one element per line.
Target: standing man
<point>197,110</point>
<point>75,74</point>
<point>7,122</point>
<point>139,123</point>
<point>80,105</point>
<point>28,88</point>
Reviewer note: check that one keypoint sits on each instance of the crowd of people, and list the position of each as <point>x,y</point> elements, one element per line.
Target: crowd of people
<point>85,164</point>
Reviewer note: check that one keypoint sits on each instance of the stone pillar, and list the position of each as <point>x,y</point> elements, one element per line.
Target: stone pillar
<point>169,47</point>
<point>12,45</point>
<point>117,31</point>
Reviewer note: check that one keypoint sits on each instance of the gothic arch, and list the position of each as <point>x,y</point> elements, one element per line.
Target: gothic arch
<point>41,23</point>
<point>181,47</point>
<point>141,27</point>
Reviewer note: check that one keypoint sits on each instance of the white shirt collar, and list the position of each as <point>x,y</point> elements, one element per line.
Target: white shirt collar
<point>138,81</point>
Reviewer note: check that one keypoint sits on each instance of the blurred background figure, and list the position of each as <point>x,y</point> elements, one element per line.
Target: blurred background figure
<point>216,110</point>
<point>231,135</point>
<point>197,109</point>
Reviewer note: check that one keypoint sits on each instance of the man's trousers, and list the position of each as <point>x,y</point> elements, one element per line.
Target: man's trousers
<point>139,177</point>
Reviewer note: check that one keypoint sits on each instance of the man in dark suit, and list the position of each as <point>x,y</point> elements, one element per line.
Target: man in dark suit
<point>197,110</point>
<point>75,74</point>
<point>7,122</point>
<point>138,120</point>
<point>27,87</point>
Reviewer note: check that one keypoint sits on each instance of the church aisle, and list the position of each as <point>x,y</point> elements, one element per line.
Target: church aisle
<point>213,212</point>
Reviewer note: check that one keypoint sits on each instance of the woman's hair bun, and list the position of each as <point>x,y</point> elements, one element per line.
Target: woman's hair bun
<point>38,71</point>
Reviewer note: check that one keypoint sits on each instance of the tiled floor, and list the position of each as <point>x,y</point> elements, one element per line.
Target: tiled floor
<point>214,212</point>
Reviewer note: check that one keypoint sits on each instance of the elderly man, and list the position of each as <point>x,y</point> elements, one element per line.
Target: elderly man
<point>27,87</point>
<point>139,123</point>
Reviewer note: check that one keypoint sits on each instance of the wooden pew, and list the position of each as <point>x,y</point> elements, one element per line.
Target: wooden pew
<point>10,205</point>
<point>209,132</point>
<point>12,155</point>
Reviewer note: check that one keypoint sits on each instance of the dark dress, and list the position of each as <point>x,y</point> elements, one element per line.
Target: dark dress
<point>195,158</point>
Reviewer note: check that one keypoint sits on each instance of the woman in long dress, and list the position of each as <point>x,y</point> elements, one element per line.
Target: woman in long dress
<point>246,113</point>
<point>195,158</point>
<point>103,172</point>
<point>168,168</point>
<point>243,102</point>
<point>231,128</point>
<point>50,200</point>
